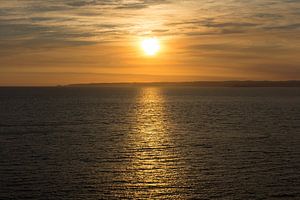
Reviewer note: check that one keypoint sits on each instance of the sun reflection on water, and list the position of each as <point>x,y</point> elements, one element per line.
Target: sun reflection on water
<point>155,167</point>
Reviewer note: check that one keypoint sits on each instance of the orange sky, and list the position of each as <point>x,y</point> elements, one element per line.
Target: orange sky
<point>62,42</point>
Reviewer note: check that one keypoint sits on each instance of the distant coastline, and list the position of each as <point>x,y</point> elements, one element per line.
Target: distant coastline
<point>292,83</point>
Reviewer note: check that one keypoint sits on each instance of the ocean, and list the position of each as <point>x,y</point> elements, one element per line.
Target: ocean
<point>149,142</point>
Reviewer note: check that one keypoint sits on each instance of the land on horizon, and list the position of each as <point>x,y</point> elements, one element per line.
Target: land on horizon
<point>232,83</point>
<point>291,83</point>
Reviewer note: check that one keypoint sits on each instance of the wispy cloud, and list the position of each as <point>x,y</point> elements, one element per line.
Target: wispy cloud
<point>75,20</point>
<point>216,29</point>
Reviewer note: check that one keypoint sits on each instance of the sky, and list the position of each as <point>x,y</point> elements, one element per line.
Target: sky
<point>52,42</point>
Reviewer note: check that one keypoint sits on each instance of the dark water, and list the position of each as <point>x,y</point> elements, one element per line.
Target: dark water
<point>150,142</point>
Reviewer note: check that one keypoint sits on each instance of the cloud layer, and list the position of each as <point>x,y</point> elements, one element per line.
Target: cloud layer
<point>234,34</point>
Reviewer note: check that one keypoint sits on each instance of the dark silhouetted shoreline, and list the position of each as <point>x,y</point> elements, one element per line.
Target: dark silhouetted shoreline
<point>200,84</point>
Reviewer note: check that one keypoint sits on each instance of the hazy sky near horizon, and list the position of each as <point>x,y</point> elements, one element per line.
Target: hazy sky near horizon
<point>48,42</point>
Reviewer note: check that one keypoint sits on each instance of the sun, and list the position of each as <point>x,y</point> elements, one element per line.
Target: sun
<point>150,46</point>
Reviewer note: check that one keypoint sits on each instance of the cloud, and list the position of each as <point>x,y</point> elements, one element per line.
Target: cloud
<point>287,27</point>
<point>236,29</point>
<point>94,20</point>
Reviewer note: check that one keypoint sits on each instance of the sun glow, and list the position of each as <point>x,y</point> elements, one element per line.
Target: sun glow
<point>150,46</point>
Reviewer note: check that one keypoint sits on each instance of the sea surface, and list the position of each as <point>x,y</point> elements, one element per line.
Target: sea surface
<point>147,142</point>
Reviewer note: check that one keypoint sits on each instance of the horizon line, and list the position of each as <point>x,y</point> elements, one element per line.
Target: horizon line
<point>226,83</point>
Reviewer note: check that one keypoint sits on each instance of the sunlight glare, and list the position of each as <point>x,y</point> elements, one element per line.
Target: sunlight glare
<point>150,46</point>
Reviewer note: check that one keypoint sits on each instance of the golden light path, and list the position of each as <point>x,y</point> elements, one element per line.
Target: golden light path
<point>156,168</point>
